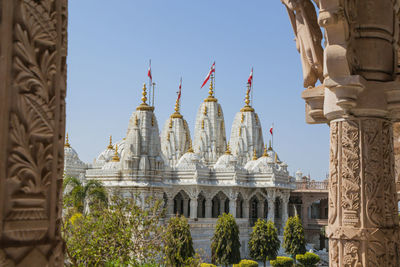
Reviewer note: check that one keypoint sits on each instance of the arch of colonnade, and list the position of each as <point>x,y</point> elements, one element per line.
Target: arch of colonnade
<point>359,98</point>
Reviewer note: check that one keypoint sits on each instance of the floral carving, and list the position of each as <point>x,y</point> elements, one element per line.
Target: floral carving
<point>333,168</point>
<point>350,197</point>
<point>351,254</point>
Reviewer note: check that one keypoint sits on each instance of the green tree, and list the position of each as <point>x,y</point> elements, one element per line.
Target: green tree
<point>178,244</point>
<point>293,237</point>
<point>264,242</point>
<point>76,193</point>
<point>225,246</point>
<point>122,234</point>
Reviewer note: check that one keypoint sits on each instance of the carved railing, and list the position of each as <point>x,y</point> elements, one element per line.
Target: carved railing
<point>312,185</point>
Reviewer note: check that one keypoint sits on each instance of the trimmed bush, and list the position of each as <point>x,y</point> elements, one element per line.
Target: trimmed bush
<point>225,242</point>
<point>282,262</point>
<point>207,265</point>
<point>308,259</point>
<point>246,263</point>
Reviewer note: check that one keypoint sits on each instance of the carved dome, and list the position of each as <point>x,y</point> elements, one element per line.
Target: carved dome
<point>189,161</point>
<point>226,161</point>
<point>73,166</point>
<point>209,132</point>
<point>175,138</point>
<point>246,134</point>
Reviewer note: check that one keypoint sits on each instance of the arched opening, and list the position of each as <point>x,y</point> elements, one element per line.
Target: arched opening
<point>295,206</point>
<point>181,204</point>
<point>239,206</point>
<point>254,206</point>
<point>226,208</point>
<point>278,208</point>
<point>220,204</point>
<point>201,206</point>
<point>215,207</point>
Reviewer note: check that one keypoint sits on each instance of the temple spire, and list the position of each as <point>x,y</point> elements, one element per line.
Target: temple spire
<point>211,97</point>
<point>177,114</point>
<point>67,142</point>
<point>265,152</point>
<point>143,105</point>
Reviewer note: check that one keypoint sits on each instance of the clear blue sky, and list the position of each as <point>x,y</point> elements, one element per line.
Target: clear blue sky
<point>111,42</point>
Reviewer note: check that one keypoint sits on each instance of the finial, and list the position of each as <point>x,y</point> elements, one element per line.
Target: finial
<point>177,114</point>
<point>211,97</point>
<point>190,150</point>
<point>144,105</point>
<point>255,154</point>
<point>67,141</point>
<point>228,150</point>
<point>115,158</point>
<point>247,107</point>
<point>270,147</point>
<point>110,146</point>
<point>265,154</point>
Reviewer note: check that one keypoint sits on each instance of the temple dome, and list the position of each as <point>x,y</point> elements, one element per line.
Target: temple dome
<point>246,134</point>
<point>226,161</point>
<point>175,137</point>
<point>73,166</point>
<point>209,134</point>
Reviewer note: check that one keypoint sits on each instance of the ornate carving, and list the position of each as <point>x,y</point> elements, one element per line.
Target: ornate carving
<point>333,168</point>
<point>351,254</point>
<point>36,88</point>
<point>350,173</point>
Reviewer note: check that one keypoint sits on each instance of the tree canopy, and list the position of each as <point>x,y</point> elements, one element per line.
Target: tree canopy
<point>293,237</point>
<point>264,242</point>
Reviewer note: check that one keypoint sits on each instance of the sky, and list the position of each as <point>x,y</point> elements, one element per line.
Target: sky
<point>111,42</point>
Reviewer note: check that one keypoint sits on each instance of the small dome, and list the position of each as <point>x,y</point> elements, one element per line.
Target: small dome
<point>226,161</point>
<point>189,160</point>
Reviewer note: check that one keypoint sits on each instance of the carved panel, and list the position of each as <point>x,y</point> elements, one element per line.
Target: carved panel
<point>34,71</point>
<point>333,169</point>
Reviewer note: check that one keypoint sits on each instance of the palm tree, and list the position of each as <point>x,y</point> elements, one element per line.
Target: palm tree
<point>77,193</point>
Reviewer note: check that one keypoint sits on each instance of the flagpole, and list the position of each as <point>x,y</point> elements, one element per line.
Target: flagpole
<point>273,126</point>
<point>213,77</point>
<point>153,94</point>
<point>252,81</point>
<point>150,80</point>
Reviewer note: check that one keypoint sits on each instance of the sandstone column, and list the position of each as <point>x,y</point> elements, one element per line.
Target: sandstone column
<point>360,99</point>
<point>33,51</point>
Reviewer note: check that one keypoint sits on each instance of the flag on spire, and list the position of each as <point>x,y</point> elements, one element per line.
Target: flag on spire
<point>149,72</point>
<point>180,90</point>
<point>271,130</point>
<point>209,74</point>
<point>250,79</point>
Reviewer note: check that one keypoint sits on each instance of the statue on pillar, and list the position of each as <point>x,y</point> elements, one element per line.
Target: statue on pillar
<point>308,34</point>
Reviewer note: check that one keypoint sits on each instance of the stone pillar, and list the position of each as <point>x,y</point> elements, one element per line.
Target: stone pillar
<point>304,211</point>
<point>170,207</point>
<point>360,101</point>
<point>260,212</point>
<point>208,208</point>
<point>33,52</point>
<point>185,207</point>
<point>232,206</point>
<point>246,208</point>
<point>193,208</point>
<point>222,205</point>
<point>271,210</point>
<point>285,210</point>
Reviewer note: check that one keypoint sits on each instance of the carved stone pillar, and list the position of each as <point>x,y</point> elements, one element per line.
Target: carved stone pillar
<point>285,210</point>
<point>193,208</point>
<point>186,207</point>
<point>33,51</point>
<point>208,208</point>
<point>232,206</point>
<point>246,208</point>
<point>170,207</point>
<point>271,210</point>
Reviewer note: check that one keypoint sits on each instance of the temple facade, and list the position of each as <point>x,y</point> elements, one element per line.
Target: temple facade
<point>199,180</point>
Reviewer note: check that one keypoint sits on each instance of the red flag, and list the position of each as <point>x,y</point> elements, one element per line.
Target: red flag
<point>250,79</point>
<point>180,89</point>
<point>209,74</point>
<point>271,129</point>
<point>149,72</point>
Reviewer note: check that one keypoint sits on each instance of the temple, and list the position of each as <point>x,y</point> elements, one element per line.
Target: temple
<point>203,179</point>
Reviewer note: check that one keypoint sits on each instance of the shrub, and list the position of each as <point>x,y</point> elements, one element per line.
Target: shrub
<point>225,242</point>
<point>207,265</point>
<point>293,237</point>
<point>246,263</point>
<point>308,259</point>
<point>178,244</point>
<point>282,262</point>
<point>264,243</point>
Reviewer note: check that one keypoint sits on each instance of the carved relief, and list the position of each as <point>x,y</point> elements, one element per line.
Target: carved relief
<point>36,125</point>
<point>333,253</point>
<point>333,168</point>
<point>350,184</point>
<point>351,254</point>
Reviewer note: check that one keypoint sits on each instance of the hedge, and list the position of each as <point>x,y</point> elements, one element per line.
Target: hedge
<point>246,263</point>
<point>308,259</point>
<point>282,262</point>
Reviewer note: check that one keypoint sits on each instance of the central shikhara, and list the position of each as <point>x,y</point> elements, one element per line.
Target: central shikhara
<point>200,180</point>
